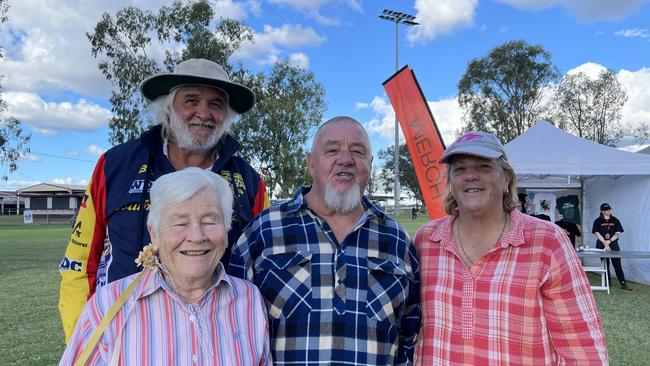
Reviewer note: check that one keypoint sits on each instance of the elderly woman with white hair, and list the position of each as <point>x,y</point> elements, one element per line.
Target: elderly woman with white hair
<point>182,308</point>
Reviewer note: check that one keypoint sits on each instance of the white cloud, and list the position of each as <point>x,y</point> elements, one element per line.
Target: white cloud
<point>30,157</point>
<point>269,45</point>
<point>51,52</point>
<point>255,7</point>
<point>300,4</point>
<point>383,119</point>
<point>448,116</point>
<point>48,117</point>
<point>591,10</point>
<point>438,17</point>
<point>312,8</point>
<point>592,70</point>
<point>315,5</point>
<point>446,112</point>
<point>69,180</point>
<point>300,60</point>
<point>48,51</point>
<point>637,86</point>
<point>633,32</point>
<point>291,36</point>
<point>230,9</point>
<point>95,150</point>
<point>72,154</point>
<point>361,105</point>
<point>13,184</point>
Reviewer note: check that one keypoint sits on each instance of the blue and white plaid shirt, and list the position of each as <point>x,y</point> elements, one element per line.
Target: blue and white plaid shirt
<point>330,303</point>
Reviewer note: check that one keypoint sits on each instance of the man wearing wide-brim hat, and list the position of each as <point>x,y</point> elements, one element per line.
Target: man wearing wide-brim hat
<point>194,107</point>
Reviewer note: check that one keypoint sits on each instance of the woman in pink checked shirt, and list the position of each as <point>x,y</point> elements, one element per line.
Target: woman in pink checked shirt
<point>183,309</point>
<point>499,287</point>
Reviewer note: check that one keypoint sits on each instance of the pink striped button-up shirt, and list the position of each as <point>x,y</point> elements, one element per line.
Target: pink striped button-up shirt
<point>227,326</point>
<point>526,302</point>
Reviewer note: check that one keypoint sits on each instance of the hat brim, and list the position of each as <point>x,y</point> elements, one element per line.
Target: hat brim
<point>240,98</point>
<point>478,151</point>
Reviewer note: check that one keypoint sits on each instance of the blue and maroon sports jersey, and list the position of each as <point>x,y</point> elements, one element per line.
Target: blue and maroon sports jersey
<point>110,229</point>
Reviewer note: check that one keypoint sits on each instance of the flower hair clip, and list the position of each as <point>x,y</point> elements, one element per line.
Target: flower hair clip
<point>148,257</point>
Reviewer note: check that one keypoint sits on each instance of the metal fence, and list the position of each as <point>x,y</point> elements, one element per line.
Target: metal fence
<point>38,219</point>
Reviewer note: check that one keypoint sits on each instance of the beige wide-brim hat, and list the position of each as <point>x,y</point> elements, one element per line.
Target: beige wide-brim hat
<point>199,72</point>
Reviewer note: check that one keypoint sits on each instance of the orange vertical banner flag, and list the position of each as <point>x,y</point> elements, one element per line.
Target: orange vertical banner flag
<point>422,137</point>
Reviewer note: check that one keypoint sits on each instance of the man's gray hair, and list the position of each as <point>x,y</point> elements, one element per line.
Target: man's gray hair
<point>339,119</point>
<point>184,184</point>
<point>162,108</point>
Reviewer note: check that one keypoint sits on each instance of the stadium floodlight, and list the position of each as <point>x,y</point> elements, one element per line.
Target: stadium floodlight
<point>398,18</point>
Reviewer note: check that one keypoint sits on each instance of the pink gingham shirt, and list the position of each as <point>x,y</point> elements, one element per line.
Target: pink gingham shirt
<point>526,302</point>
<point>227,326</point>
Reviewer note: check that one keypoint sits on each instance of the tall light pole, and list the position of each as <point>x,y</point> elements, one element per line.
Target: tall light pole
<point>407,19</point>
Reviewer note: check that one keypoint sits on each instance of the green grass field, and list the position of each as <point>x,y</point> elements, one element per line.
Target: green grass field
<point>32,334</point>
<point>29,282</point>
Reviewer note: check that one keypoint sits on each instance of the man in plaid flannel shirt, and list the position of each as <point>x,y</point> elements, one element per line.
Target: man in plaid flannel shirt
<point>340,278</point>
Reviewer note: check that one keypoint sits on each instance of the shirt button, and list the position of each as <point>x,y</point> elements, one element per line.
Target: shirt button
<point>191,318</point>
<point>195,358</point>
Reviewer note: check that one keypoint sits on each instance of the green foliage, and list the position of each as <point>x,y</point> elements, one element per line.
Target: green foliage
<point>407,177</point>
<point>13,141</point>
<point>289,100</point>
<point>501,93</point>
<point>290,103</point>
<point>122,43</point>
<point>373,181</point>
<point>591,108</point>
<point>641,133</point>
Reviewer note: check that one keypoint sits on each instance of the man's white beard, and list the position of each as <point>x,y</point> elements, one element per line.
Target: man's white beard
<point>342,203</point>
<point>180,130</point>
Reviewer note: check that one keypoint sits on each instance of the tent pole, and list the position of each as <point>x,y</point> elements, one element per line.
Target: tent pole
<point>582,209</point>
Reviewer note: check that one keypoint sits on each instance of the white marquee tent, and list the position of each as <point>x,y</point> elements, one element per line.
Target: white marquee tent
<point>547,157</point>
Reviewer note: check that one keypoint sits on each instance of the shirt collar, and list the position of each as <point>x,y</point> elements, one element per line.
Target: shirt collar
<point>370,209</point>
<point>514,237</point>
<point>153,281</point>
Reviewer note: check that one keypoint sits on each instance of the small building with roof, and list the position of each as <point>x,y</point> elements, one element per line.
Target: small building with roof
<point>52,200</point>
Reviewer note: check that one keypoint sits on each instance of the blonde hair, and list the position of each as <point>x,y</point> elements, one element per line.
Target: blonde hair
<point>510,198</point>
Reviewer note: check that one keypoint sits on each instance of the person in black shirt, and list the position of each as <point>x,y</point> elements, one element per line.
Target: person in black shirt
<point>608,229</point>
<point>570,229</point>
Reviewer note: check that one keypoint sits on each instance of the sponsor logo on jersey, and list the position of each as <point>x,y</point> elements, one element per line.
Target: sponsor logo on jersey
<point>135,206</point>
<point>77,229</point>
<point>137,186</point>
<point>70,265</point>
<point>76,235</point>
<point>236,182</point>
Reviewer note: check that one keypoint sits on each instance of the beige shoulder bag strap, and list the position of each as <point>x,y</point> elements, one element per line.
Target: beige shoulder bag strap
<point>101,327</point>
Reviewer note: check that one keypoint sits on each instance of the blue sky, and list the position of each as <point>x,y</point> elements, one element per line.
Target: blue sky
<point>53,85</point>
